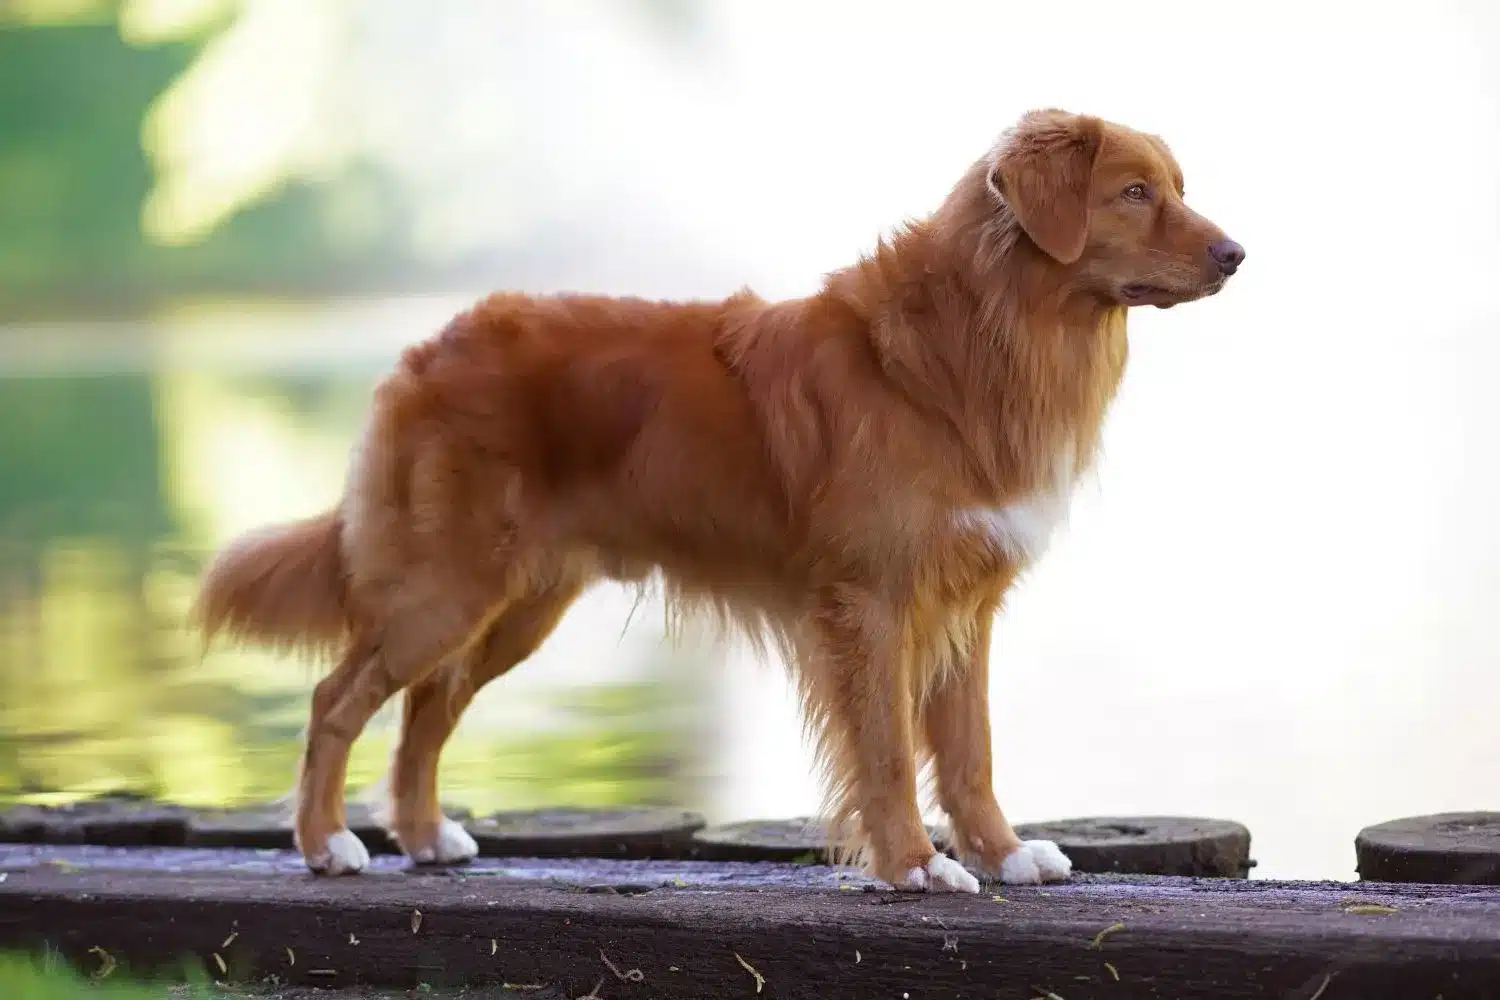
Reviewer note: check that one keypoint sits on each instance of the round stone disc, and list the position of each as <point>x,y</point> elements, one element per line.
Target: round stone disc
<point>270,826</point>
<point>798,841</point>
<point>643,833</point>
<point>779,840</point>
<point>1149,845</point>
<point>111,821</point>
<point>1444,848</point>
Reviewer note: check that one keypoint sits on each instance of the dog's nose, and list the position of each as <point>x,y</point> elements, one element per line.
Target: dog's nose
<point>1228,254</point>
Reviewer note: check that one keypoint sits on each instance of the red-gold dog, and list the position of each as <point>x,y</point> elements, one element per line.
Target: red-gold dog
<point>856,477</point>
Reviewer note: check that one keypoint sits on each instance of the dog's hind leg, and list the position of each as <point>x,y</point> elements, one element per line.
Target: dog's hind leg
<point>433,708</point>
<point>375,666</point>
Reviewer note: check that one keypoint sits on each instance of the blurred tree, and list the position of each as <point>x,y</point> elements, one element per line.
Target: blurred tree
<point>153,149</point>
<point>74,179</point>
<point>72,174</point>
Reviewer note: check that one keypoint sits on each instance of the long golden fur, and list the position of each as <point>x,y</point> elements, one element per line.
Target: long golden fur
<point>857,476</point>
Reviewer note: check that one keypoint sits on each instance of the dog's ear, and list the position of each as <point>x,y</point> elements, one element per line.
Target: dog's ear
<point>1042,169</point>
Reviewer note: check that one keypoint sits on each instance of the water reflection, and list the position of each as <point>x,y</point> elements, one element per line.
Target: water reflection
<point>120,478</point>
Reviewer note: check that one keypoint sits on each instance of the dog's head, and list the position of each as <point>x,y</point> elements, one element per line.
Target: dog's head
<point>1105,202</point>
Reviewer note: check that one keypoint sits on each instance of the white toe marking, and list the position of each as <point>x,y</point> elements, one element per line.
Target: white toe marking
<point>915,881</point>
<point>455,844</point>
<point>1034,862</point>
<point>1019,869</point>
<point>947,875</point>
<point>345,855</point>
<point>1054,864</point>
<point>942,874</point>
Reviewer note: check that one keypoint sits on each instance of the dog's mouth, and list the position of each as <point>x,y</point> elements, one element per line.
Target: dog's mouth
<point>1149,295</point>
<point>1139,294</point>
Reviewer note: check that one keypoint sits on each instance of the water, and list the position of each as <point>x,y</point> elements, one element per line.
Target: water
<point>128,453</point>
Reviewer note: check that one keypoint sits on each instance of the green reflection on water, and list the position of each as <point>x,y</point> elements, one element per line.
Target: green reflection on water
<point>114,487</point>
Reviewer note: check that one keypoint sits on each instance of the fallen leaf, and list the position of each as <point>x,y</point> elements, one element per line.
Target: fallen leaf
<point>629,975</point>
<point>760,981</point>
<point>106,962</point>
<point>1098,942</point>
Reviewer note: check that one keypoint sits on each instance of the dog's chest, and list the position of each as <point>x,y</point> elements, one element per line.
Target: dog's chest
<point>1019,530</point>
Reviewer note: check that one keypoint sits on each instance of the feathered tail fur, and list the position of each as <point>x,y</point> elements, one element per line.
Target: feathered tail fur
<point>282,587</point>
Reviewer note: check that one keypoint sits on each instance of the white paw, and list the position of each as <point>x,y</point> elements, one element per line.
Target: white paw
<point>942,874</point>
<point>1035,862</point>
<point>453,844</point>
<point>345,855</point>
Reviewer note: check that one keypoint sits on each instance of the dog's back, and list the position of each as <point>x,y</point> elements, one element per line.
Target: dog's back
<point>568,425</point>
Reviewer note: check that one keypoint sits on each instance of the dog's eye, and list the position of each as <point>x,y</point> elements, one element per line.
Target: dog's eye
<point>1137,192</point>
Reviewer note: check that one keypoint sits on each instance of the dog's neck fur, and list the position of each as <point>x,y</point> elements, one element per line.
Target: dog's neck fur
<point>982,330</point>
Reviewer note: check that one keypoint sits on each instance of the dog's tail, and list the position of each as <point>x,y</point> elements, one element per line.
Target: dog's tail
<point>283,587</point>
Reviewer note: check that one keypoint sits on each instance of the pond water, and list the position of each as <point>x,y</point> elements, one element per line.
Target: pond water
<point>128,453</point>
<point>1275,604</point>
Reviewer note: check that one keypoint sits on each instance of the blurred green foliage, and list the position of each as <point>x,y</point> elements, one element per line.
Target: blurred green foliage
<point>74,177</point>
<point>24,977</point>
<point>75,99</point>
<point>101,531</point>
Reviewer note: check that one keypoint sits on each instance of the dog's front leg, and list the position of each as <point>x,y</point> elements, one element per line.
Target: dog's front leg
<point>861,691</point>
<point>956,724</point>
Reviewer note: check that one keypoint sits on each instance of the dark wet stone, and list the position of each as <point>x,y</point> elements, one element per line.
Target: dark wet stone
<point>799,840</point>
<point>1443,848</point>
<point>646,832</point>
<point>270,826</point>
<point>113,820</point>
<point>1150,845</point>
<point>796,841</point>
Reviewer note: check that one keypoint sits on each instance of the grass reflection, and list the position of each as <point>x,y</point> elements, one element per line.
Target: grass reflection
<point>115,486</point>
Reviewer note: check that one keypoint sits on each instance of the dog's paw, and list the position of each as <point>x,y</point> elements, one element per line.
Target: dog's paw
<point>451,846</point>
<point>344,854</point>
<point>1035,862</point>
<point>942,874</point>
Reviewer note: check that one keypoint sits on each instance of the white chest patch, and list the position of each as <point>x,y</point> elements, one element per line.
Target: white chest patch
<point>1021,530</point>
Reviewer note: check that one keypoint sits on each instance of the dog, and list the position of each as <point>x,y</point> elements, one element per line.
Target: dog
<point>855,478</point>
